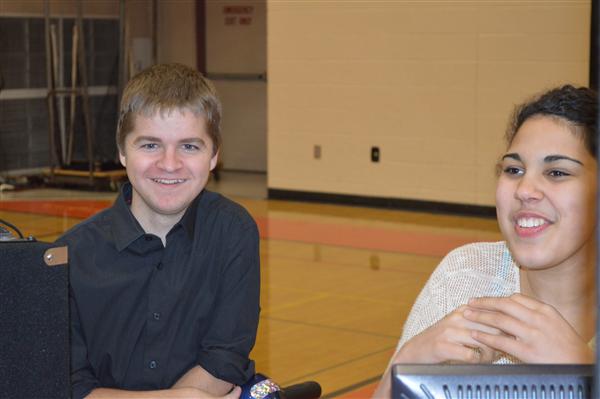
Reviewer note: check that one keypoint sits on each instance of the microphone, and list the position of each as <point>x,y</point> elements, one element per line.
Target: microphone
<point>261,387</point>
<point>304,390</point>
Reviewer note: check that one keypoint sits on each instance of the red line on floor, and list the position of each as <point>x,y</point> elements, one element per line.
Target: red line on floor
<point>418,243</point>
<point>360,393</point>
<point>65,208</point>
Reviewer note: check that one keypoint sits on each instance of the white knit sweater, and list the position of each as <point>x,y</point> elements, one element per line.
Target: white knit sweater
<point>473,270</point>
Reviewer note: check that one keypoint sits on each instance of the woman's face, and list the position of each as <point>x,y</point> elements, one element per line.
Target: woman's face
<point>546,195</point>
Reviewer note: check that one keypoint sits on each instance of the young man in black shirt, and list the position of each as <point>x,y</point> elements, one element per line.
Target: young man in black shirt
<point>165,283</point>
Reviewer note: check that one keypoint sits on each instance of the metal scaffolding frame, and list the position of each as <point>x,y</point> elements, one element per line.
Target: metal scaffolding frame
<point>61,145</point>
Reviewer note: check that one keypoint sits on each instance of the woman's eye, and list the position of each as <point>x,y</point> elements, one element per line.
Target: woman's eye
<point>558,173</point>
<point>512,170</point>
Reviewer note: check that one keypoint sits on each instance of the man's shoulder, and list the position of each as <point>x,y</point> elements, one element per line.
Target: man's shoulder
<point>91,228</point>
<point>224,209</point>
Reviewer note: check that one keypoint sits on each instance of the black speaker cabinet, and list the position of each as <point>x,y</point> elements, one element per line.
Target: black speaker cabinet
<point>34,320</point>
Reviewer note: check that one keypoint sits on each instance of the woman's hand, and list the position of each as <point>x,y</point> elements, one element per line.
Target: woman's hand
<point>534,332</point>
<point>449,340</point>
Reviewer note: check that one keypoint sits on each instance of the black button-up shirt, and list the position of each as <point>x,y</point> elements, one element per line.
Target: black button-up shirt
<point>142,314</point>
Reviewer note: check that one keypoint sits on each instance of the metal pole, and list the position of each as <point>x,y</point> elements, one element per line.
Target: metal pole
<point>122,70</point>
<point>201,37</point>
<point>73,104</point>
<point>155,31</point>
<point>594,46</point>
<point>50,85</point>
<point>84,93</point>
<point>57,78</point>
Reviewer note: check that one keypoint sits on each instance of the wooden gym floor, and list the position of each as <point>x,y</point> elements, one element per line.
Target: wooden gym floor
<point>337,281</point>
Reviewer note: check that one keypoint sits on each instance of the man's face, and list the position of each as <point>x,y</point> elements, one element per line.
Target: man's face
<point>168,159</point>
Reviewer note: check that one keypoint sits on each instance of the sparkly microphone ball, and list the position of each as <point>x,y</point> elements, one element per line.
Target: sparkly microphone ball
<point>260,387</point>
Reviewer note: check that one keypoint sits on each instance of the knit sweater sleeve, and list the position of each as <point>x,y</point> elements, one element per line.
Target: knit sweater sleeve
<point>473,270</point>
<point>430,306</point>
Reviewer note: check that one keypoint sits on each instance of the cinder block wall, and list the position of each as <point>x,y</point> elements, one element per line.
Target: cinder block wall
<point>431,83</point>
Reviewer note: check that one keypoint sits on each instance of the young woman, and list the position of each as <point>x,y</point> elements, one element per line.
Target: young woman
<point>530,298</point>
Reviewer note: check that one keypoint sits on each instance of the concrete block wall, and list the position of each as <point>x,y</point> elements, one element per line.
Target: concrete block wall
<point>431,83</point>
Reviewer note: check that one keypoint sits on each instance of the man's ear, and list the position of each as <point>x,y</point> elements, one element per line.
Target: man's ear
<point>123,159</point>
<point>213,161</point>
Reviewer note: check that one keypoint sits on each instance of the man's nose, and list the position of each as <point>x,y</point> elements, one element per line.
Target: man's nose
<point>169,161</point>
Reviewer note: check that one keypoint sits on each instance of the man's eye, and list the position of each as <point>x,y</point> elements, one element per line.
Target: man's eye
<point>149,146</point>
<point>191,147</point>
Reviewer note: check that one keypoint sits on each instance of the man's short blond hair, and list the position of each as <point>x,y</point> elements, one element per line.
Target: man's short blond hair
<point>166,88</point>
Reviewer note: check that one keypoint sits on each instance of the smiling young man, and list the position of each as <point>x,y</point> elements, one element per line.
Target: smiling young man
<point>165,283</point>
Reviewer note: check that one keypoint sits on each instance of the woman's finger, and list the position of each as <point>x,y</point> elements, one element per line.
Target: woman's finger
<point>502,343</point>
<point>458,320</point>
<point>452,352</point>
<point>474,325</point>
<point>504,305</point>
<point>533,304</point>
<point>498,320</point>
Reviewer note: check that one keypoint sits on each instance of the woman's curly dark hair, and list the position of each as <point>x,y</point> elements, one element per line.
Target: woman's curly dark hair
<point>576,105</point>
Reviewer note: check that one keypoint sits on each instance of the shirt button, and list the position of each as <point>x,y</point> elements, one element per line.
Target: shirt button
<point>159,266</point>
<point>156,316</point>
<point>153,364</point>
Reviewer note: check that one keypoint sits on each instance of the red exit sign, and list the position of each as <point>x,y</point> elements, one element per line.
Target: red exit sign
<point>238,9</point>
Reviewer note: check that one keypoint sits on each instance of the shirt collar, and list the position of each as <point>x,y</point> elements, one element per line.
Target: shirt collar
<point>126,228</point>
<point>188,221</point>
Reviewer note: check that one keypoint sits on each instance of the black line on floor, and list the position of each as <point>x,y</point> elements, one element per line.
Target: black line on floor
<point>331,327</point>
<point>344,363</point>
<point>384,202</point>
<point>352,387</point>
